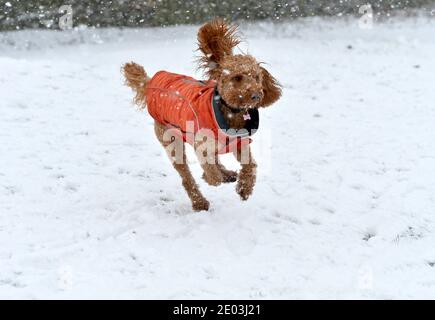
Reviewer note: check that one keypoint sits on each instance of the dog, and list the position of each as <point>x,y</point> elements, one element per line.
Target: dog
<point>217,115</point>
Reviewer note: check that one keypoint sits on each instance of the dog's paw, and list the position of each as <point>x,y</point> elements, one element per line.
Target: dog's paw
<point>229,176</point>
<point>246,182</point>
<point>200,205</point>
<point>244,189</point>
<point>213,181</point>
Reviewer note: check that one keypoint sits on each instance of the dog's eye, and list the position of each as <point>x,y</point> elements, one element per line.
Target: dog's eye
<point>237,78</point>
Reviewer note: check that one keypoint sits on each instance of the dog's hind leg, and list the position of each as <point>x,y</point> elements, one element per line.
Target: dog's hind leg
<point>179,161</point>
<point>207,154</point>
<point>228,175</point>
<point>214,172</point>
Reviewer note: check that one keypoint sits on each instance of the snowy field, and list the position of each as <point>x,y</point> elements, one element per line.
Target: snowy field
<point>344,206</point>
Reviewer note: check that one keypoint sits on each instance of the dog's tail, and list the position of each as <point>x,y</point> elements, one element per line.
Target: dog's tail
<point>137,79</point>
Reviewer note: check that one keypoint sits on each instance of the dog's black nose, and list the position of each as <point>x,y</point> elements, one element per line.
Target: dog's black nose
<point>256,97</point>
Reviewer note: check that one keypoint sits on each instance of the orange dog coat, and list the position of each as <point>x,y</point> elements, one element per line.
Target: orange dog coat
<point>188,105</point>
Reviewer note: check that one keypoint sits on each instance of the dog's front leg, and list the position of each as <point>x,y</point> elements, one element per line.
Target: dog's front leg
<point>248,173</point>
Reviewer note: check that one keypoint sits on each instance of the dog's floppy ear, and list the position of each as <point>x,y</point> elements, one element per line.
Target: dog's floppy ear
<point>216,40</point>
<point>271,89</point>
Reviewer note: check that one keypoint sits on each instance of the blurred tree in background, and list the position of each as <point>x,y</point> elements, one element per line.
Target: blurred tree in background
<point>20,14</point>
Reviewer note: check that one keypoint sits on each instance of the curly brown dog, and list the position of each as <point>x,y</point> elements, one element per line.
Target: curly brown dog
<point>218,115</point>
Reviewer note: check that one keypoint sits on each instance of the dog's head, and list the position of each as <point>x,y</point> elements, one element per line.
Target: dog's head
<point>242,82</point>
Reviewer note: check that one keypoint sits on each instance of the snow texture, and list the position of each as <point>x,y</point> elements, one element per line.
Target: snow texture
<point>344,207</point>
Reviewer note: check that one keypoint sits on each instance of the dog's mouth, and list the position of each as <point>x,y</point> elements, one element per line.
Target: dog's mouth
<point>245,108</point>
<point>246,103</point>
<point>238,109</point>
<point>241,103</point>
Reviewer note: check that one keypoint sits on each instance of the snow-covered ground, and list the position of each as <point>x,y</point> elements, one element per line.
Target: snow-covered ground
<point>344,206</point>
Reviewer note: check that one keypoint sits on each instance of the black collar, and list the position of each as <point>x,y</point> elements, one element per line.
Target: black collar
<point>233,110</point>
<point>225,105</point>
<point>251,126</point>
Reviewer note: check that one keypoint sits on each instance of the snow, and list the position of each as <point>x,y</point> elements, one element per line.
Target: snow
<point>90,207</point>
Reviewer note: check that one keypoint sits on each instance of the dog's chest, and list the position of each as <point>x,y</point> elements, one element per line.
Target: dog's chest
<point>234,120</point>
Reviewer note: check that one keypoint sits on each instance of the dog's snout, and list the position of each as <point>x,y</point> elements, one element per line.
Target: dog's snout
<point>256,97</point>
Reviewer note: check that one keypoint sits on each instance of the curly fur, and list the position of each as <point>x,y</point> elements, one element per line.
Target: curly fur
<point>216,40</point>
<point>137,79</point>
<point>242,83</point>
<point>271,88</point>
